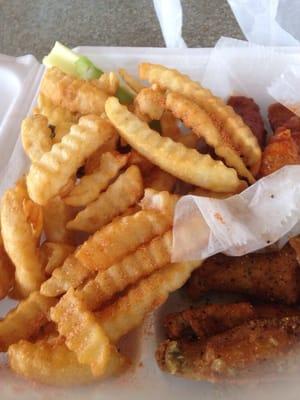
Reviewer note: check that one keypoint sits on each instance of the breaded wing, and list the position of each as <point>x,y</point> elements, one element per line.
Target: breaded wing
<point>233,354</point>
<point>268,276</point>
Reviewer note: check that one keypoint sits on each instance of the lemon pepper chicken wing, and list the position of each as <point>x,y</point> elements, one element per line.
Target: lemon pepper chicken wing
<point>207,320</point>
<point>232,354</point>
<point>269,276</point>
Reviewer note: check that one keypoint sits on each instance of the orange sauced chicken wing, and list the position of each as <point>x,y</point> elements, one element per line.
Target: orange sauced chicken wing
<point>281,150</point>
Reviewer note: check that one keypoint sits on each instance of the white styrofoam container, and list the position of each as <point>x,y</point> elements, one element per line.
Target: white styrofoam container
<point>19,83</point>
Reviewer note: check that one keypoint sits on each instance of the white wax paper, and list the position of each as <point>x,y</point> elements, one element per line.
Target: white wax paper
<point>251,220</point>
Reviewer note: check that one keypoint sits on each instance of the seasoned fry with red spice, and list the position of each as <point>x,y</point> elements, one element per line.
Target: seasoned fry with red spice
<point>250,114</point>
<point>281,150</point>
<point>232,354</point>
<point>269,276</point>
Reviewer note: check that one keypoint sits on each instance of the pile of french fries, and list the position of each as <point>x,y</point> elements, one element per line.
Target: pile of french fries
<point>86,235</point>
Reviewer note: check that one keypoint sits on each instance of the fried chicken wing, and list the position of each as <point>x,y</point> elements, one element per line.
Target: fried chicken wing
<point>208,320</point>
<point>232,354</point>
<point>281,150</point>
<point>250,114</point>
<point>268,276</point>
<point>281,118</point>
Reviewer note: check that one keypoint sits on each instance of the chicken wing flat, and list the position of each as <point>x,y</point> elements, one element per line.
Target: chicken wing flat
<point>268,276</point>
<point>281,150</point>
<point>250,114</point>
<point>208,320</point>
<point>233,354</point>
<point>281,118</point>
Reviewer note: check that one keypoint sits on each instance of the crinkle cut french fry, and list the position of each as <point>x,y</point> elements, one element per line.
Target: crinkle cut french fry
<point>93,162</point>
<point>206,193</point>
<point>36,136</point>
<point>89,186</point>
<point>170,128</point>
<point>132,82</point>
<point>48,175</point>
<point>25,320</point>
<point>241,135</point>
<point>137,159</point>
<point>145,260</point>
<point>7,272</point>
<point>202,124</point>
<point>108,82</point>
<point>186,164</point>
<point>120,195</point>
<point>76,95</point>
<point>56,216</point>
<point>20,240</point>
<point>163,202</point>
<point>121,237</point>
<point>54,255</point>
<point>56,115</point>
<point>49,362</point>
<point>150,103</point>
<point>129,311</point>
<point>71,274</point>
<point>160,180</point>
<point>83,334</point>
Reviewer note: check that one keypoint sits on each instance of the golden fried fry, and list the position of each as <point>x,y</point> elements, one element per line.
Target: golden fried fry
<point>144,165</point>
<point>150,103</point>
<point>49,362</point>
<point>7,271</point>
<point>267,276</point>
<point>71,274</point>
<point>160,180</point>
<point>20,228</point>
<point>60,119</point>
<point>91,185</point>
<point>169,126</point>
<point>130,310</point>
<point>25,320</point>
<point>163,202</point>
<point>84,335</point>
<point>108,82</point>
<point>71,93</point>
<point>36,136</point>
<point>56,216</point>
<point>54,255</point>
<point>93,162</point>
<point>56,115</point>
<point>186,164</point>
<point>132,82</point>
<point>203,125</point>
<point>34,217</point>
<point>243,139</point>
<point>207,193</point>
<point>47,176</point>
<point>68,187</point>
<point>120,195</point>
<point>121,237</point>
<point>145,260</point>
